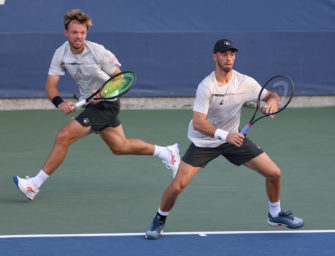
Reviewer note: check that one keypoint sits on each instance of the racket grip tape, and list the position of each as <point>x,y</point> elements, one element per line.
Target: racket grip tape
<point>245,129</point>
<point>80,103</point>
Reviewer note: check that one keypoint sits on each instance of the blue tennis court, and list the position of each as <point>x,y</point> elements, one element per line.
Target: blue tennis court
<point>281,243</point>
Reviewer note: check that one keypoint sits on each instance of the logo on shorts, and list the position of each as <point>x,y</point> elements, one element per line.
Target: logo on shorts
<point>86,120</point>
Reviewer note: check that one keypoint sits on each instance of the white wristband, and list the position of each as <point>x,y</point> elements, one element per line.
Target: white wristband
<point>221,134</point>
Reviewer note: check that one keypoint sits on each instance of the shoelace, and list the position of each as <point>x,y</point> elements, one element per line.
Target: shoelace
<point>286,214</point>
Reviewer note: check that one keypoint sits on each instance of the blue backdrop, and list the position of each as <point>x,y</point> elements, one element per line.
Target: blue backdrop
<point>169,43</point>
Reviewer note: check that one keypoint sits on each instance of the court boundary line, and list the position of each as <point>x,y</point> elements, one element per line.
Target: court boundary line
<point>199,233</point>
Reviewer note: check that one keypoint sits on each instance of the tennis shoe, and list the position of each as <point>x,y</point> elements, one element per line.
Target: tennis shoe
<point>26,186</point>
<point>156,229</point>
<point>174,159</point>
<point>286,219</point>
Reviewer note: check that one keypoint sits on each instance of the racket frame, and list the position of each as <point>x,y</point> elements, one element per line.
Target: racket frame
<point>253,120</point>
<point>86,101</point>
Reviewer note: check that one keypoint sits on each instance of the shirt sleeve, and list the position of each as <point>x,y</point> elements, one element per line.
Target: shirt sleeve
<point>201,103</point>
<point>109,62</point>
<point>56,67</point>
<point>254,90</point>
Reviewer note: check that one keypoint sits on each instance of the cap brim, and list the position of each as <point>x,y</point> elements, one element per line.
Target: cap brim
<point>228,49</point>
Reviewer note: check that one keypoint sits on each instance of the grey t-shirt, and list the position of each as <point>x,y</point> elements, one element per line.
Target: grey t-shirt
<point>222,104</point>
<point>90,69</point>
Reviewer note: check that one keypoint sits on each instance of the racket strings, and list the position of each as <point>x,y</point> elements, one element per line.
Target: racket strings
<point>117,86</point>
<point>284,88</point>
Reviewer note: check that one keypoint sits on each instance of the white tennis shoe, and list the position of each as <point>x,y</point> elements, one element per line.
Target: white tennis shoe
<point>174,159</point>
<point>26,186</point>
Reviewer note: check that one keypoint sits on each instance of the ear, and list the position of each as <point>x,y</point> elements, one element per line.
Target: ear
<point>214,57</point>
<point>65,32</point>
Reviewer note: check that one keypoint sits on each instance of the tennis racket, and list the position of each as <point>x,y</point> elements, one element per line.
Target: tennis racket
<point>114,87</point>
<point>283,86</point>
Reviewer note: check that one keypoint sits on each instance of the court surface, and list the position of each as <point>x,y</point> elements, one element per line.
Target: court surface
<point>97,203</point>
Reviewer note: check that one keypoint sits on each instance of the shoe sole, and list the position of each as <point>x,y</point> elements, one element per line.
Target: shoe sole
<point>153,237</point>
<point>275,224</point>
<point>175,173</point>
<point>16,181</point>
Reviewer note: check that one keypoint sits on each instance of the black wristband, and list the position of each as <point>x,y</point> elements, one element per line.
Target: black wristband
<point>57,100</point>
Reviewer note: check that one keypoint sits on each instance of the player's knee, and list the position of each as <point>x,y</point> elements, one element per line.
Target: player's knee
<point>275,175</point>
<point>177,188</point>
<point>122,147</point>
<point>119,150</point>
<point>63,137</point>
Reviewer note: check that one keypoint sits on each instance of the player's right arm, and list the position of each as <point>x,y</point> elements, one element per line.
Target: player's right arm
<point>54,95</point>
<point>201,124</point>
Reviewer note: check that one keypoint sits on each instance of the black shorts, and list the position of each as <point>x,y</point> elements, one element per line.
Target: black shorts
<point>200,157</point>
<point>100,115</point>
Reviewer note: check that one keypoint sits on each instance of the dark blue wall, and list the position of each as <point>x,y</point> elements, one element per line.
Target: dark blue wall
<point>169,45</point>
<point>171,15</point>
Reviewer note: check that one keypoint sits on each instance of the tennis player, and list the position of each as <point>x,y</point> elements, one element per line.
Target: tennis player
<point>90,65</point>
<point>213,131</point>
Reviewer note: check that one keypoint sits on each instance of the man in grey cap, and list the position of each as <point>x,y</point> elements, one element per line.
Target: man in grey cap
<point>214,131</point>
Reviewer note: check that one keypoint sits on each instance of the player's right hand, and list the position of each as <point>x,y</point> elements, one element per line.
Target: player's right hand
<point>67,107</point>
<point>235,138</point>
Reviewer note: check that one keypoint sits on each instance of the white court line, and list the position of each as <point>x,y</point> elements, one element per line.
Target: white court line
<point>199,233</point>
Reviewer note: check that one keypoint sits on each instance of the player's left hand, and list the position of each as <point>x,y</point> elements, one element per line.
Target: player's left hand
<point>271,107</point>
<point>93,100</point>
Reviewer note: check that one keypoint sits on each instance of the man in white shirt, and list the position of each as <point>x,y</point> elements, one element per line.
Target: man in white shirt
<point>213,131</point>
<point>90,65</point>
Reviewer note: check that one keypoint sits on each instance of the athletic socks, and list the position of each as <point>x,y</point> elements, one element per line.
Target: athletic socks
<point>162,153</point>
<point>274,209</point>
<point>39,179</point>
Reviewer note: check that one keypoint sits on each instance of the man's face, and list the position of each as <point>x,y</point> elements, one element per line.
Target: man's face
<point>76,35</point>
<point>225,60</point>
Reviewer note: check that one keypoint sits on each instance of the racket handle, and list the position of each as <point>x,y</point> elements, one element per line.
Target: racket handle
<point>80,103</point>
<point>245,129</point>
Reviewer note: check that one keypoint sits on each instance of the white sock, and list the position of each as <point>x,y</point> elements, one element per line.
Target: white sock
<point>39,179</point>
<point>163,213</point>
<point>162,153</point>
<point>274,209</point>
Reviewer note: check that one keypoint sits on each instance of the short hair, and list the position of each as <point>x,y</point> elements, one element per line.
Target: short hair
<point>78,16</point>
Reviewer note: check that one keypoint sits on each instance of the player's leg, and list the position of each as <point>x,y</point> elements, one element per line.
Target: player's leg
<point>276,217</point>
<point>66,136</point>
<point>184,175</point>
<point>266,167</point>
<point>193,159</point>
<point>117,141</point>
<point>120,145</point>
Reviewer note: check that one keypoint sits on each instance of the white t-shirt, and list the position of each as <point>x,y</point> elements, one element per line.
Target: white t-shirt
<point>90,69</point>
<point>222,104</point>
